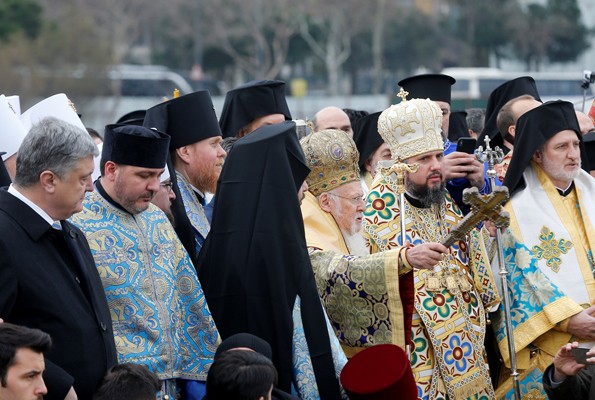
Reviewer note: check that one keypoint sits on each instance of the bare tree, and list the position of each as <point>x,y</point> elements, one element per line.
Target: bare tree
<point>122,23</point>
<point>378,44</point>
<point>336,22</point>
<point>65,57</point>
<point>254,33</point>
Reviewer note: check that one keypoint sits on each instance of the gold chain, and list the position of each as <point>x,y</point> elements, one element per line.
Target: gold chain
<point>450,276</point>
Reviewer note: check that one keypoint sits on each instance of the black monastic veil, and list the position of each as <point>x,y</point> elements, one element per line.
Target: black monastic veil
<point>255,262</point>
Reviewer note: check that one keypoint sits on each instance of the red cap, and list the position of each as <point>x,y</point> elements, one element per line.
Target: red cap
<point>379,372</point>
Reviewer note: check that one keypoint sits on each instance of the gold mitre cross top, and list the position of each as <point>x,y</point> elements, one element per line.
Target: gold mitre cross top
<point>403,94</point>
<point>175,95</point>
<point>483,207</point>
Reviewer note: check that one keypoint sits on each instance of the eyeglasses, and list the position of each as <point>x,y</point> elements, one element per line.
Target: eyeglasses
<point>167,186</point>
<point>354,200</point>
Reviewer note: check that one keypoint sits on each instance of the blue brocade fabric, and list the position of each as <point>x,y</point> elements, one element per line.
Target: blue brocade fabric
<point>304,381</point>
<point>159,313</point>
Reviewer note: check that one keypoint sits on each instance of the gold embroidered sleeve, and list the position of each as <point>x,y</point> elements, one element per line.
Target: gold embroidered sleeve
<point>328,264</point>
<point>357,293</point>
<point>404,265</point>
<point>481,269</point>
<point>562,326</point>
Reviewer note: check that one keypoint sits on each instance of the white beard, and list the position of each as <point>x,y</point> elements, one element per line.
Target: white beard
<point>356,244</point>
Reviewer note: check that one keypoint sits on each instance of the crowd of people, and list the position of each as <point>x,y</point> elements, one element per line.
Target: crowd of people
<point>178,255</point>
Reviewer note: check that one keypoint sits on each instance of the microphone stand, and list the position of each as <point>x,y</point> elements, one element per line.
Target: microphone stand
<point>588,78</point>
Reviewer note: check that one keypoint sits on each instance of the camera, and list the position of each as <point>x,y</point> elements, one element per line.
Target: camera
<point>588,78</point>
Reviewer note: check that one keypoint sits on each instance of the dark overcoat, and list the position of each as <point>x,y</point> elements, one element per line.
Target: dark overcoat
<point>49,281</point>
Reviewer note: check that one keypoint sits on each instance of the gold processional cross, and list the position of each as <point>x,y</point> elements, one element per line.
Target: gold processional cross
<point>483,207</point>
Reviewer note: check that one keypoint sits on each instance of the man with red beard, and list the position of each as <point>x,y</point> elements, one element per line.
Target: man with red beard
<point>444,299</point>
<point>197,157</point>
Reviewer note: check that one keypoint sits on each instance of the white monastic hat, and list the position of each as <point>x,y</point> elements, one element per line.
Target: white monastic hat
<point>12,131</point>
<point>58,106</point>
<point>96,160</point>
<point>411,127</point>
<point>165,175</point>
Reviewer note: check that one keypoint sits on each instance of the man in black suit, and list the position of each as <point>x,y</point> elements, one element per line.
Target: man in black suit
<point>48,279</point>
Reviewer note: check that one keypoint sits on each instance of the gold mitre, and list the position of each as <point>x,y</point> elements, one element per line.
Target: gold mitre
<point>332,157</point>
<point>411,127</point>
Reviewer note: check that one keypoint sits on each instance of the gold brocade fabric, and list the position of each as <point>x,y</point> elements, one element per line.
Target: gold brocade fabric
<point>571,202</point>
<point>551,273</point>
<point>502,167</point>
<point>411,127</point>
<point>558,230</point>
<point>359,293</point>
<point>362,305</point>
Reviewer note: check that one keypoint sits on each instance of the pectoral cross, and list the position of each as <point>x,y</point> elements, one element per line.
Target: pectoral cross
<point>483,207</point>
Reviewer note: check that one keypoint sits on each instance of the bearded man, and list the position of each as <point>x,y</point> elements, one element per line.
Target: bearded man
<point>447,303</point>
<point>360,291</point>
<point>549,247</point>
<point>157,305</point>
<point>197,157</point>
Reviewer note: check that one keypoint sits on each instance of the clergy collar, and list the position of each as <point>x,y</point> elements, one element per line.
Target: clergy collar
<point>565,192</point>
<point>199,194</point>
<point>414,201</point>
<point>106,196</point>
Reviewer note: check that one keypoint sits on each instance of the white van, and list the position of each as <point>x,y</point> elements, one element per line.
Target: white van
<point>131,87</point>
<point>474,85</point>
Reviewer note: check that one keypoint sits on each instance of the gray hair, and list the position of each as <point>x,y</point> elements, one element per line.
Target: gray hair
<point>53,145</point>
<point>476,119</point>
